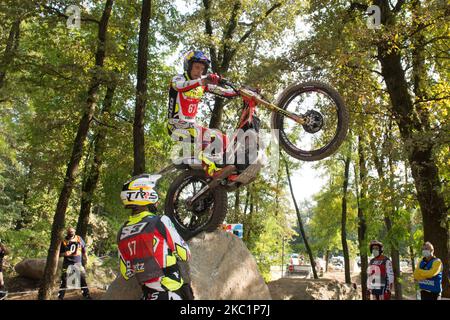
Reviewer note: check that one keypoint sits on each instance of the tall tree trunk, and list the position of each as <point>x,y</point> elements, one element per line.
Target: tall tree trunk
<point>25,217</point>
<point>11,47</point>
<point>248,218</point>
<point>278,191</point>
<point>247,195</point>
<point>411,247</point>
<point>393,243</point>
<point>420,155</point>
<point>411,256</point>
<point>410,229</point>
<point>300,223</point>
<point>90,183</point>
<point>327,258</point>
<point>362,227</point>
<point>395,254</point>
<point>216,117</point>
<point>237,211</point>
<point>344,218</point>
<point>45,290</point>
<point>141,90</point>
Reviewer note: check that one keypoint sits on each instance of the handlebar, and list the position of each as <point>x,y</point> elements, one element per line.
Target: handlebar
<point>245,90</point>
<point>226,82</point>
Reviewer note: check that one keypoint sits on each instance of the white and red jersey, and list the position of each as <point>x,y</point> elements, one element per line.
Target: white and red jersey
<point>380,275</point>
<point>185,95</point>
<point>155,268</point>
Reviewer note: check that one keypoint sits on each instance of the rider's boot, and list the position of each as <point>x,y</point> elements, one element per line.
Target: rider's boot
<point>213,171</point>
<point>224,172</point>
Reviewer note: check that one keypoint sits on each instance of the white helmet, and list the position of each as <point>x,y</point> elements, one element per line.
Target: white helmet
<point>140,190</point>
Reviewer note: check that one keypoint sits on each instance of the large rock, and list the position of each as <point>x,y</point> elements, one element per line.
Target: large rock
<point>33,268</point>
<point>221,267</point>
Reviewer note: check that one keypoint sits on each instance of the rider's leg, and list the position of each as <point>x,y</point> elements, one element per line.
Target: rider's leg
<point>2,285</point>
<point>63,285</point>
<point>214,165</point>
<point>83,282</point>
<point>153,294</point>
<point>203,137</point>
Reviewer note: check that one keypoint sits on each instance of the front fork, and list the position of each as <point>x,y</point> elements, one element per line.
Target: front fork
<point>300,119</point>
<point>249,96</point>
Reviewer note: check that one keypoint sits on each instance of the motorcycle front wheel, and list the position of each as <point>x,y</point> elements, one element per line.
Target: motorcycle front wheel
<point>326,125</point>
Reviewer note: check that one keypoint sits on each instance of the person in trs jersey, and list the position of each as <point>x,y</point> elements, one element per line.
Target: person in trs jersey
<point>185,93</point>
<point>149,245</point>
<point>380,273</point>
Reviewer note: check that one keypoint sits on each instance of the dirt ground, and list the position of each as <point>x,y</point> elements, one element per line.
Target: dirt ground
<point>329,287</point>
<point>96,294</point>
<point>21,284</point>
<point>326,288</point>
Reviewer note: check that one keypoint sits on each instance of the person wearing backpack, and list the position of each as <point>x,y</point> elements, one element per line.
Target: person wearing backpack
<point>149,245</point>
<point>429,274</point>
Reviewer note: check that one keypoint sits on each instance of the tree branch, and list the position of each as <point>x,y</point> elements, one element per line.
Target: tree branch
<point>232,23</point>
<point>423,26</point>
<point>432,40</point>
<point>431,99</point>
<point>358,6</point>
<point>398,6</point>
<point>257,22</point>
<point>231,27</point>
<point>103,124</point>
<point>63,15</point>
<point>123,118</point>
<point>366,69</point>
<point>227,53</point>
<point>209,32</point>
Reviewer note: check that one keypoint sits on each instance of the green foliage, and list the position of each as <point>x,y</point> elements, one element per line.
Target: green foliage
<point>46,86</point>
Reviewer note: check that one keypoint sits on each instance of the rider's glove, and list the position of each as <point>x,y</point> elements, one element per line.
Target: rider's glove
<point>213,78</point>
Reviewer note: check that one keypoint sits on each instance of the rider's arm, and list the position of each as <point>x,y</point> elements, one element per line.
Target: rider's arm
<point>123,267</point>
<point>176,244</point>
<point>390,273</point>
<point>62,250</point>
<point>83,250</point>
<point>227,93</point>
<point>179,83</point>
